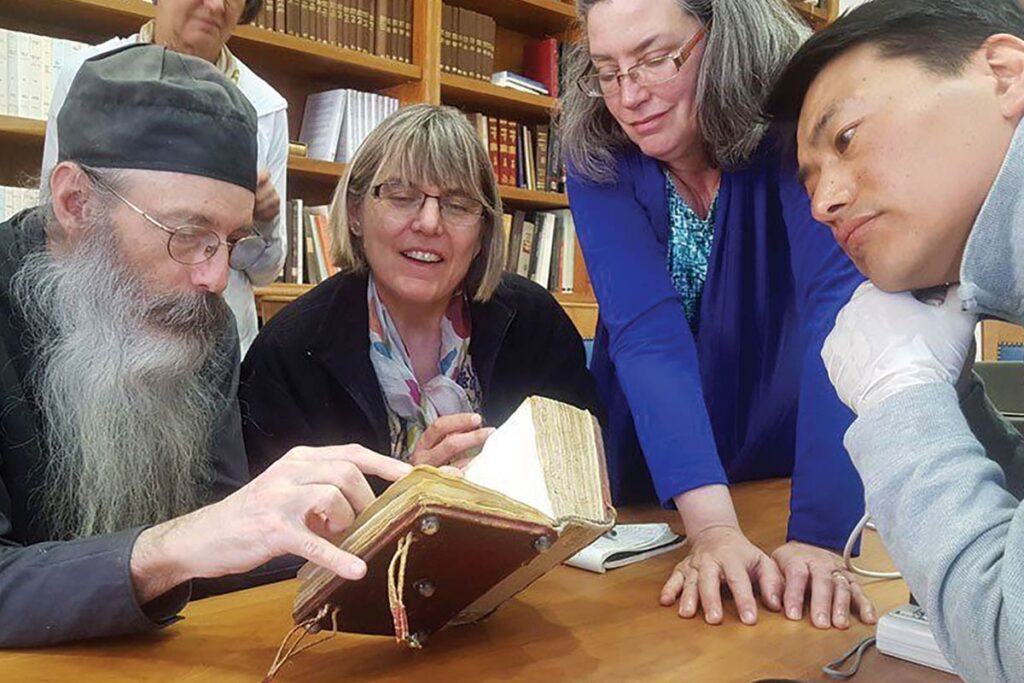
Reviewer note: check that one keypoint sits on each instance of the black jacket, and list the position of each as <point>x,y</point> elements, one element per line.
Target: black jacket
<point>308,379</point>
<point>53,590</point>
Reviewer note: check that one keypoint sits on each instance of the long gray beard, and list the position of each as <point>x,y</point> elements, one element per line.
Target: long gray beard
<point>128,386</point>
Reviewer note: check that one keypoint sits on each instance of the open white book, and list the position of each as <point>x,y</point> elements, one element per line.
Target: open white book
<point>626,544</point>
<point>905,633</point>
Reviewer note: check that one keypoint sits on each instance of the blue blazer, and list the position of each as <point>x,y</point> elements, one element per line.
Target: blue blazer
<point>749,398</point>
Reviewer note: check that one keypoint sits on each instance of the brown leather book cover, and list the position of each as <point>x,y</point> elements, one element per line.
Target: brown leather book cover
<point>445,549</point>
<point>380,29</point>
<point>280,19</point>
<point>446,38</point>
<point>503,153</point>
<point>541,156</point>
<point>407,31</point>
<point>479,28</point>
<point>366,26</point>
<point>293,18</point>
<point>462,62</point>
<point>492,146</point>
<point>513,152</point>
<point>490,35</point>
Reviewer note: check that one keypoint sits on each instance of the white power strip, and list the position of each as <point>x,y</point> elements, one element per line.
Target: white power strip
<point>905,633</point>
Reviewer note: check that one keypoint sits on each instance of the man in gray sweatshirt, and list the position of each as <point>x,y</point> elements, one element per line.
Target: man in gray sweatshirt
<point>907,116</point>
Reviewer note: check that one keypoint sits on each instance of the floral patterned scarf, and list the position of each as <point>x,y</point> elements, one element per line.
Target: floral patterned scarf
<point>413,407</point>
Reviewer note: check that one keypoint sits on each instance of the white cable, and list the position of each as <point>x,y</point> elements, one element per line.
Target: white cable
<point>865,522</point>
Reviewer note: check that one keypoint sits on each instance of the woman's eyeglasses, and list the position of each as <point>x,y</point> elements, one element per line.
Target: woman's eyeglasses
<point>405,202</point>
<point>646,73</point>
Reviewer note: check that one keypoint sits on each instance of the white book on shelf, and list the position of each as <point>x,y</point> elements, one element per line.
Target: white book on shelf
<point>568,251</point>
<point>46,92</point>
<point>510,79</point>
<point>34,97</point>
<point>3,204</point>
<point>905,633</point>
<point>349,130</point>
<point>4,82</point>
<point>322,123</point>
<point>625,544</point>
<point>543,243</point>
<point>15,69</point>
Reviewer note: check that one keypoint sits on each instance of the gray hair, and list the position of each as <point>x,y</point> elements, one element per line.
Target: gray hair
<point>426,144</point>
<point>749,44</point>
<point>127,415</point>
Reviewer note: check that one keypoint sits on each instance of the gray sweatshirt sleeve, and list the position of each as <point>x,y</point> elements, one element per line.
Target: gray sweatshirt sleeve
<point>949,522</point>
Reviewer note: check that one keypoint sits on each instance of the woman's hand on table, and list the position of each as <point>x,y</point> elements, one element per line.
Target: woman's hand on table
<point>834,591</point>
<point>721,556</point>
<point>451,440</point>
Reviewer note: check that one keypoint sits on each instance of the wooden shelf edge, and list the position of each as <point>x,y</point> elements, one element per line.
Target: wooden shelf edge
<point>316,168</point>
<point>532,17</point>
<point>96,20</point>
<point>341,59</point>
<point>293,291</point>
<point>475,92</point>
<point>22,127</point>
<point>534,199</point>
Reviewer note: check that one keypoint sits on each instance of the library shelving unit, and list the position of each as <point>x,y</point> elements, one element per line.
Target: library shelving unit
<point>297,67</point>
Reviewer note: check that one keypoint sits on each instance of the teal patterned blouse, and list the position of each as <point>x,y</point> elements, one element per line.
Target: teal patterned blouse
<point>689,250</point>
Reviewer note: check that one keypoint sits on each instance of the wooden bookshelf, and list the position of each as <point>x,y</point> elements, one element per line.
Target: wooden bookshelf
<point>532,200</point>
<point>477,95</point>
<point>534,17</point>
<point>297,67</point>
<point>315,169</point>
<point>272,298</point>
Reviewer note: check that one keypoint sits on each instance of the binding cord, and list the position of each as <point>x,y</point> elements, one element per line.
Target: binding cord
<point>396,588</point>
<point>290,648</point>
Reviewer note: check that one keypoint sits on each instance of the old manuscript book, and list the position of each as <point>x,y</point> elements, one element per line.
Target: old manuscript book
<point>444,549</point>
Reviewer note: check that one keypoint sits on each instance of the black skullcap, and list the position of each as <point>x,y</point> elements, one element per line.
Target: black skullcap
<point>146,107</point>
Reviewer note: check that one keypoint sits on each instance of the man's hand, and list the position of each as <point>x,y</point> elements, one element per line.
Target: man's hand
<point>723,555</point>
<point>451,439</point>
<point>268,203</point>
<point>297,506</point>
<point>884,343</point>
<point>833,590</point>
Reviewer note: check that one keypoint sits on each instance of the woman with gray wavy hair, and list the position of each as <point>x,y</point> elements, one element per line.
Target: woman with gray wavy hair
<point>716,289</point>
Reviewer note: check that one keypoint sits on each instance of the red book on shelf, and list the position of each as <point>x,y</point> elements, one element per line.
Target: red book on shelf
<point>540,62</point>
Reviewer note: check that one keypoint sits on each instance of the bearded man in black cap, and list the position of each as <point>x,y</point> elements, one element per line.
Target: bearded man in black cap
<point>119,364</point>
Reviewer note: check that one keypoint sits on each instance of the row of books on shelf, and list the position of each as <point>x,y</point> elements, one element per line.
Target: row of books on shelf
<point>306,261</point>
<point>379,27</point>
<point>16,199</point>
<point>540,245</point>
<point>522,156</point>
<point>467,42</point>
<point>29,67</point>
<point>335,122</point>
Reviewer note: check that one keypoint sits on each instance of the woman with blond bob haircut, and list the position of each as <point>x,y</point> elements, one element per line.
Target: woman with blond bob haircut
<point>420,343</point>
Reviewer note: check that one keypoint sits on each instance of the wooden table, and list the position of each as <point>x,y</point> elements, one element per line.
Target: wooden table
<point>569,626</point>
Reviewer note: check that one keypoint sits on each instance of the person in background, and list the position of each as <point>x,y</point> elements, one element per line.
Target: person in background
<point>201,28</point>
<point>716,290</point>
<point>420,345</point>
<point>908,118</point>
<point>123,481</point>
